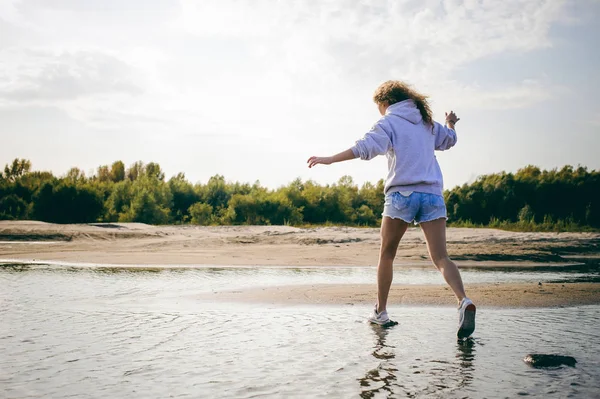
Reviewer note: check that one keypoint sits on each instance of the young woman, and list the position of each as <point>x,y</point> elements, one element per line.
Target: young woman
<point>409,137</point>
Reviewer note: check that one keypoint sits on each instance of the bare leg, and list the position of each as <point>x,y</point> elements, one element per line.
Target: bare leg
<point>435,235</point>
<point>392,231</point>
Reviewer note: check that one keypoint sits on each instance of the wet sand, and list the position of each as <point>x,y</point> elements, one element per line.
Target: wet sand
<point>487,295</point>
<point>139,245</point>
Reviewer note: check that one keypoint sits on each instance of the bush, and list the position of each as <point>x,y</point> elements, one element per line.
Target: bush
<point>12,207</point>
<point>365,216</point>
<point>67,203</point>
<point>201,213</point>
<point>529,200</point>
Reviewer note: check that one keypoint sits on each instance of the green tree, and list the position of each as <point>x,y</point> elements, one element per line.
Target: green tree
<point>265,209</point>
<point>67,203</point>
<point>216,192</point>
<point>153,171</point>
<point>526,214</point>
<point>136,170</point>
<point>75,176</point>
<point>12,207</point>
<point>17,169</point>
<point>530,198</point>
<point>365,216</point>
<point>201,213</point>
<point>119,200</point>
<point>150,202</point>
<point>183,198</point>
<point>103,174</point>
<point>117,171</point>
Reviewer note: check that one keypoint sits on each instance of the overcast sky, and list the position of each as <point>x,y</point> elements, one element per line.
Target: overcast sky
<point>251,89</point>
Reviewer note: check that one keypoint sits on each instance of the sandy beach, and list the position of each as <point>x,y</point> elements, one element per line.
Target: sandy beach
<point>487,295</point>
<point>139,245</point>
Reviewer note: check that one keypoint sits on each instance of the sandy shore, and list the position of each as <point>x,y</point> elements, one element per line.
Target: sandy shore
<point>487,295</point>
<point>139,245</point>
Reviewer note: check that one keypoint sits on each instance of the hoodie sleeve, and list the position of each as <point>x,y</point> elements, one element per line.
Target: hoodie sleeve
<point>375,142</point>
<point>445,138</point>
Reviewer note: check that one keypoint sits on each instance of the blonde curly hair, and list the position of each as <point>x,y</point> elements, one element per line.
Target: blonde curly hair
<point>394,91</point>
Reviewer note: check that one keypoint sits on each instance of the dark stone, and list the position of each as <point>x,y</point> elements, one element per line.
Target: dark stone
<point>544,361</point>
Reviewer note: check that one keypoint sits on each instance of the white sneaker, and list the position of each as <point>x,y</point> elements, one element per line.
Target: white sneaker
<point>466,318</point>
<point>380,318</point>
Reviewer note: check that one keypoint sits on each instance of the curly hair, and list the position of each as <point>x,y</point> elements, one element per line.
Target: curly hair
<point>394,91</point>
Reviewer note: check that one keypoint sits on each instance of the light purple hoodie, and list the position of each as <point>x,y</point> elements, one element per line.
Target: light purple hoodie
<point>409,145</point>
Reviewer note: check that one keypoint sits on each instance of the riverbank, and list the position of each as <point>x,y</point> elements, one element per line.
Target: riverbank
<point>139,244</point>
<point>132,245</point>
<point>511,295</point>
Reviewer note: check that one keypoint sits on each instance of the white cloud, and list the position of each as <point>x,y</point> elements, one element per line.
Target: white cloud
<point>314,49</point>
<point>332,42</point>
<point>446,34</point>
<point>517,95</point>
<point>41,75</point>
<point>228,66</point>
<point>90,85</point>
<point>9,12</point>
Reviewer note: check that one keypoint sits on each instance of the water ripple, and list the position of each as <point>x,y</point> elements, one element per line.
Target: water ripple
<point>97,335</point>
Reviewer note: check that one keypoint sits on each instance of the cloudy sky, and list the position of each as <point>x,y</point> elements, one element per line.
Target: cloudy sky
<point>251,89</point>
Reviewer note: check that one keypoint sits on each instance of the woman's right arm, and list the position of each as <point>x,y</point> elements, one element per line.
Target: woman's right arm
<point>445,136</point>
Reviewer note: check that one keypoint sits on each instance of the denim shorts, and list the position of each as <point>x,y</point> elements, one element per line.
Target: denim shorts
<point>417,207</point>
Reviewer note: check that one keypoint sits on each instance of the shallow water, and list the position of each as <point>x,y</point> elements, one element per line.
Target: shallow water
<point>214,278</point>
<point>106,333</point>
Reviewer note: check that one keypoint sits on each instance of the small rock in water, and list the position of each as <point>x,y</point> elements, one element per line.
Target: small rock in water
<point>542,361</point>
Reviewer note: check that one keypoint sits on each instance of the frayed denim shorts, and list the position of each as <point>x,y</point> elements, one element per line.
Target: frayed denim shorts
<point>417,207</point>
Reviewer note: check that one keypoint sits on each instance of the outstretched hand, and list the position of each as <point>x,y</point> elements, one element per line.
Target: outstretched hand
<point>451,117</point>
<point>312,161</point>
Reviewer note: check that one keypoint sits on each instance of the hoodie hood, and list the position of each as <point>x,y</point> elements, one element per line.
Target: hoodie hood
<point>406,110</point>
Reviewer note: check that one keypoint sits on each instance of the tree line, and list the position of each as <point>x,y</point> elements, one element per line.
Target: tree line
<point>529,199</point>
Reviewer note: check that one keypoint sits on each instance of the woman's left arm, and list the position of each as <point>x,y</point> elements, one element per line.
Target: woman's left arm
<point>342,156</point>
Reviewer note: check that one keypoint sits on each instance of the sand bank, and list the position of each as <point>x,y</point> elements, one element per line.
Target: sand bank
<point>484,295</point>
<point>138,244</point>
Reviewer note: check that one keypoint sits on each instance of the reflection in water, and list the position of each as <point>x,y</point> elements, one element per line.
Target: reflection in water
<point>444,376</point>
<point>466,355</point>
<point>384,376</point>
